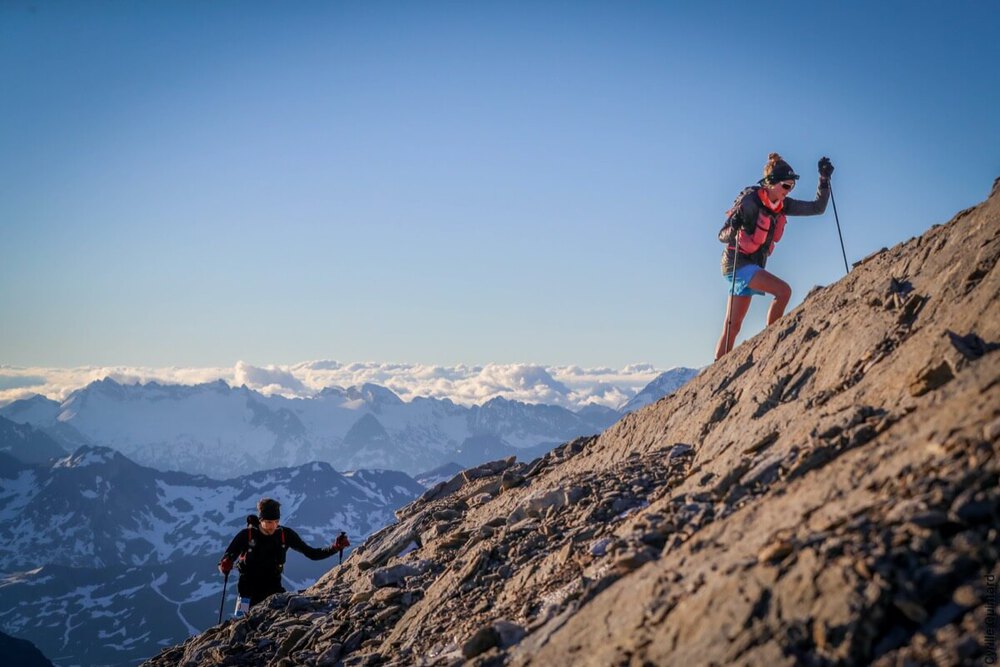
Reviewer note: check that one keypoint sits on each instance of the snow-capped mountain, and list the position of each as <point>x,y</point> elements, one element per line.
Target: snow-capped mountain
<point>203,428</point>
<point>662,385</point>
<point>94,545</point>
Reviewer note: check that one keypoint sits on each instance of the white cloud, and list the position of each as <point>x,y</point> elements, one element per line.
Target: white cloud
<point>269,380</point>
<point>569,386</point>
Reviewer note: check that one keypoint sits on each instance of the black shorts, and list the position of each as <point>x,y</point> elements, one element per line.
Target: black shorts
<point>258,590</point>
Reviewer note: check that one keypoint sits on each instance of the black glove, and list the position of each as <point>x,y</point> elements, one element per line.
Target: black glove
<point>825,168</point>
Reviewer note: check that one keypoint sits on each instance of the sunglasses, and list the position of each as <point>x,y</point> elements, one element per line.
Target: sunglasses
<point>788,186</point>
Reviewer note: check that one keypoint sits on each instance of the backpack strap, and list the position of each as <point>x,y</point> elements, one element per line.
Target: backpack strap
<point>761,254</point>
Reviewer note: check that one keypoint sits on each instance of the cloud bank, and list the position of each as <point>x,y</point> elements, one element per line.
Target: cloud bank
<point>573,387</point>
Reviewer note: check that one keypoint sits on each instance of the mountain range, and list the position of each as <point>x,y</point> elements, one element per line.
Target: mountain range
<point>203,428</point>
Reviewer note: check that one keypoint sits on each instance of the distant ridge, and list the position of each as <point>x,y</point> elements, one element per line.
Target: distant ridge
<point>207,427</point>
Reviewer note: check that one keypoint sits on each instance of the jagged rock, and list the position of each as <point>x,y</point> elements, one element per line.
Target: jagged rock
<point>929,519</point>
<point>392,540</point>
<point>975,508</point>
<point>480,499</point>
<point>330,656</point>
<point>776,551</point>
<point>510,480</point>
<point>439,490</point>
<point>679,450</point>
<point>992,430</point>
<point>488,469</point>
<point>632,560</point>
<point>394,575</point>
<point>793,504</point>
<point>447,514</point>
<point>362,596</point>
<point>931,377</point>
<point>300,603</point>
<point>539,503</point>
<point>510,633</point>
<point>483,640</point>
<point>291,641</point>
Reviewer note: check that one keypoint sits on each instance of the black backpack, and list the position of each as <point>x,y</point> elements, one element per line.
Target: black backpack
<point>734,217</point>
<point>254,522</point>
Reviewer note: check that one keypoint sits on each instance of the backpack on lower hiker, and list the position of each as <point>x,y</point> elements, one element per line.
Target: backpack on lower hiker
<point>253,521</point>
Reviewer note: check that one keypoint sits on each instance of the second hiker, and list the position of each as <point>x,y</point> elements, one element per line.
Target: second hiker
<point>755,224</point>
<point>259,552</point>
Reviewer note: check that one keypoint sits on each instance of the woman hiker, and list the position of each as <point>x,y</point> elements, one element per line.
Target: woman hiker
<point>259,552</point>
<point>755,224</point>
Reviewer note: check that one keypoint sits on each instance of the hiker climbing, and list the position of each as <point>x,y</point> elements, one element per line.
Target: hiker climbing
<point>259,553</point>
<point>753,226</point>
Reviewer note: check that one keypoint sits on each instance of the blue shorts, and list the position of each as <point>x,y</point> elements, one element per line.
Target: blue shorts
<point>744,275</point>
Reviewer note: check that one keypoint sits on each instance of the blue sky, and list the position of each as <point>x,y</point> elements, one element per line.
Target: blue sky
<point>196,183</point>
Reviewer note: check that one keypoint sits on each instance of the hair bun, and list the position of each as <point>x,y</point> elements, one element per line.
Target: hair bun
<point>773,157</point>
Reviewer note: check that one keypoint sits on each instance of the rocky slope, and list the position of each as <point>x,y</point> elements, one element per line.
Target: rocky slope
<point>826,494</point>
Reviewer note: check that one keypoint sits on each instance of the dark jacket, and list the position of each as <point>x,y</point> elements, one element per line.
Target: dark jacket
<point>761,228</point>
<point>261,559</point>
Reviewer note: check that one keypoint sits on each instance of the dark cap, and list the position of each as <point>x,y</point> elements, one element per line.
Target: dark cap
<point>777,170</point>
<point>269,509</point>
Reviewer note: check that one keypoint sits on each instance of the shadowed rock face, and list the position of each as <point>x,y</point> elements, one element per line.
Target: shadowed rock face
<point>826,494</point>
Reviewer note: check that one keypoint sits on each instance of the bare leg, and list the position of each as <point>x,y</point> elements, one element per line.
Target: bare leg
<point>736,310</point>
<point>771,284</point>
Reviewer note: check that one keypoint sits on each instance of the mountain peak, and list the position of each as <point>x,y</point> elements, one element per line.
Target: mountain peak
<point>375,395</point>
<point>498,401</point>
<point>106,383</point>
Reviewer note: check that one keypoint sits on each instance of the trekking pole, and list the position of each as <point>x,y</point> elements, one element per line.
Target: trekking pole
<point>837,218</point>
<point>732,292</point>
<point>223,603</point>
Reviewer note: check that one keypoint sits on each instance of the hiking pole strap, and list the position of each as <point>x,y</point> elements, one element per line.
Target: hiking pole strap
<point>841,236</point>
